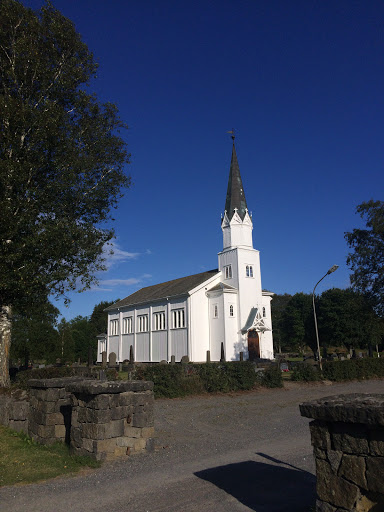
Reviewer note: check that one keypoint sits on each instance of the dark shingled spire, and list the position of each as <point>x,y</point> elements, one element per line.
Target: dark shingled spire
<point>235,192</point>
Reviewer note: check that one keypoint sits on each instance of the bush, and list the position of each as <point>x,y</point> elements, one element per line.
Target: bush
<point>305,373</point>
<point>351,369</point>
<point>271,377</point>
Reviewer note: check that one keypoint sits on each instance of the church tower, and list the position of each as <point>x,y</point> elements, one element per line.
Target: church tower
<point>239,263</point>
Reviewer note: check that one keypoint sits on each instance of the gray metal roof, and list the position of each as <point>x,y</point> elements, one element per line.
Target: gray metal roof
<point>170,289</point>
<point>235,192</point>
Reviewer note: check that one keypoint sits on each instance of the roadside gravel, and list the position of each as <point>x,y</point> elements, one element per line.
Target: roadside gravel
<point>236,452</point>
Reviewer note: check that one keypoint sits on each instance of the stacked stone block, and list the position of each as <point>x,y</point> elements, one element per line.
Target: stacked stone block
<point>14,412</point>
<point>50,410</point>
<point>112,419</point>
<point>348,439</point>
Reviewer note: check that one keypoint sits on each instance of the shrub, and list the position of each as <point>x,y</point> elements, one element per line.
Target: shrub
<point>271,377</point>
<point>305,372</point>
<point>353,369</point>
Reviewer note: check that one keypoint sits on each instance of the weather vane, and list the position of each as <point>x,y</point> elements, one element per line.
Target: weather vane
<point>232,132</point>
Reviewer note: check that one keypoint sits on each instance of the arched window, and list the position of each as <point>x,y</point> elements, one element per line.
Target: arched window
<point>247,270</point>
<point>250,271</point>
<point>231,310</point>
<point>264,313</point>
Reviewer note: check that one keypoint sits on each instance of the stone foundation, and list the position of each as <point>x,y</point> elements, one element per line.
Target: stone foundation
<point>112,419</point>
<point>14,411</point>
<point>348,440</point>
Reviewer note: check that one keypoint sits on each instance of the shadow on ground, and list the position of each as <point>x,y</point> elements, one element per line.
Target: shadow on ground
<point>265,487</point>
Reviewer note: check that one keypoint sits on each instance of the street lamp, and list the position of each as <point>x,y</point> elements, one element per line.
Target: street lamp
<point>332,269</point>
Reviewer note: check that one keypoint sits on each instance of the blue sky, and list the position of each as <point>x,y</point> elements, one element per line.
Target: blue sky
<point>302,84</point>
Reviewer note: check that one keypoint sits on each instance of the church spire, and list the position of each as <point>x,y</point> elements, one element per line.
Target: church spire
<point>235,200</point>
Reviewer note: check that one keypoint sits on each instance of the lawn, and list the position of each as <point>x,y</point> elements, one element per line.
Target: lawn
<point>23,461</point>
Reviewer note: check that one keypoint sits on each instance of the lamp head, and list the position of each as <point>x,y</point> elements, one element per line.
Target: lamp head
<point>332,269</point>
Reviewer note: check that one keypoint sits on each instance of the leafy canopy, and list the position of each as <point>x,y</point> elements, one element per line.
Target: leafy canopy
<point>62,158</point>
<point>367,258</point>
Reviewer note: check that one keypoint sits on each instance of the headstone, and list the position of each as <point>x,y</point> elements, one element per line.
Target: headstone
<point>112,359</point>
<point>208,356</point>
<point>90,357</point>
<point>163,361</point>
<point>120,367</point>
<point>102,375</point>
<point>173,359</point>
<point>131,355</point>
<point>284,367</point>
<point>184,360</point>
<point>360,355</point>
<point>104,358</point>
<point>241,356</point>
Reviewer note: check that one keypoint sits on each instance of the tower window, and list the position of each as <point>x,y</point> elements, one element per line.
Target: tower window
<point>215,311</point>
<point>228,272</point>
<point>249,271</point>
<point>231,310</point>
<point>264,313</point>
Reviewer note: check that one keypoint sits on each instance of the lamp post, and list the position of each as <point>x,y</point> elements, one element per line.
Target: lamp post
<point>332,269</point>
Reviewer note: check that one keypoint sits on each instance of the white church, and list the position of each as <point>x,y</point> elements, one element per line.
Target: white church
<point>191,315</point>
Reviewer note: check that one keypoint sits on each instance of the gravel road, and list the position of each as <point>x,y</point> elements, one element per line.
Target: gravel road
<point>221,453</point>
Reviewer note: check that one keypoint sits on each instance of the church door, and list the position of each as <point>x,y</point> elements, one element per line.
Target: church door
<point>253,345</point>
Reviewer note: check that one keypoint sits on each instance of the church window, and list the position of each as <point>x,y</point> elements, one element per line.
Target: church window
<point>142,323</point>
<point>128,325</point>
<point>264,313</point>
<point>178,318</point>
<point>159,321</point>
<point>228,272</point>
<point>114,328</point>
<point>249,271</point>
<point>231,310</point>
<point>215,311</point>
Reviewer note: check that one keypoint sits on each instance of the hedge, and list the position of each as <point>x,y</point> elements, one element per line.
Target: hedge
<point>351,369</point>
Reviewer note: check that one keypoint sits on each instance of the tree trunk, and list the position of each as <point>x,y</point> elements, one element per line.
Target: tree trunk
<point>5,345</point>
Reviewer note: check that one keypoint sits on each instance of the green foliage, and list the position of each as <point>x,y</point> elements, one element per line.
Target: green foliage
<point>367,258</point>
<point>171,381</point>
<point>22,461</point>
<point>297,323</point>
<point>304,372</point>
<point>346,317</point>
<point>271,377</point>
<point>351,369</point>
<point>34,334</point>
<point>278,305</point>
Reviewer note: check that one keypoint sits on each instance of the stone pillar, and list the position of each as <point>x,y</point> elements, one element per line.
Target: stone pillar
<point>112,419</point>
<point>348,440</point>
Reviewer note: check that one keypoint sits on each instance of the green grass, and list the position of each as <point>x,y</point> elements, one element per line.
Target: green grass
<point>22,461</point>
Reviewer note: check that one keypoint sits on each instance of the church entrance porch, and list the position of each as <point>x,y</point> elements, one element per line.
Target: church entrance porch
<point>253,345</point>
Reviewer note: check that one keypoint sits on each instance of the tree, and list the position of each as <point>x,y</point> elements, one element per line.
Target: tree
<point>35,335</point>
<point>278,306</point>
<point>346,317</point>
<point>298,323</point>
<point>367,258</point>
<point>62,163</point>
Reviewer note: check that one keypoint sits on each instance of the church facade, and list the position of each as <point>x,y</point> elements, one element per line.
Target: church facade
<point>191,315</point>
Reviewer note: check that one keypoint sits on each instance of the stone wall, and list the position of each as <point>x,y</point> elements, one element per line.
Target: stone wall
<point>103,420</point>
<point>348,440</point>
<point>14,411</point>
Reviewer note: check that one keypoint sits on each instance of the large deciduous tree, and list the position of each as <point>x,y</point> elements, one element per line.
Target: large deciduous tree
<point>62,163</point>
<point>367,258</point>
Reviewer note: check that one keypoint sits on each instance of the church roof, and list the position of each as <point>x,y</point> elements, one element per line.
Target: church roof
<point>235,192</point>
<point>169,289</point>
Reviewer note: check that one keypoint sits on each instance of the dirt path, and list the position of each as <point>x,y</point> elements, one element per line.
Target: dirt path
<point>227,453</point>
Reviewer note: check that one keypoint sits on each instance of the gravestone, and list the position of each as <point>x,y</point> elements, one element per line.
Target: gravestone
<point>241,356</point>
<point>184,360</point>
<point>208,356</point>
<point>173,359</point>
<point>104,358</point>
<point>131,355</point>
<point>112,360</point>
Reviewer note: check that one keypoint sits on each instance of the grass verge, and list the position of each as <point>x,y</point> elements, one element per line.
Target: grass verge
<point>22,461</point>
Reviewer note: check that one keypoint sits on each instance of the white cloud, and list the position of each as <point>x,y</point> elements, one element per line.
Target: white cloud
<point>120,282</point>
<point>119,255</point>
